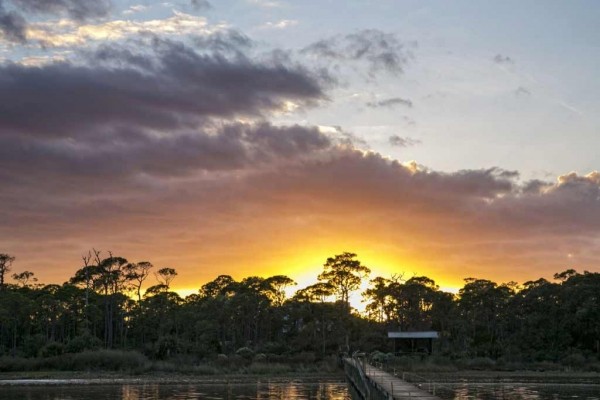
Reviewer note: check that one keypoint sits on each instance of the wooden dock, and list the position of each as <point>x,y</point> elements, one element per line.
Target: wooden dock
<point>380,384</point>
<point>396,387</point>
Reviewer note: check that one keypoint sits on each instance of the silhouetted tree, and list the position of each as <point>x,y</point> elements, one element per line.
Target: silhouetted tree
<point>5,264</point>
<point>345,274</point>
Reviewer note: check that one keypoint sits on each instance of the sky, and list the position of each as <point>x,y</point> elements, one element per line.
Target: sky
<point>259,137</point>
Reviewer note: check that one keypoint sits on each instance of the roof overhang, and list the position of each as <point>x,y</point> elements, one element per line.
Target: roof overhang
<point>414,335</point>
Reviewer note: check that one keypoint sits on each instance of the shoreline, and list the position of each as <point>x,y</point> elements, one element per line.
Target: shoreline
<point>75,378</point>
<point>51,378</point>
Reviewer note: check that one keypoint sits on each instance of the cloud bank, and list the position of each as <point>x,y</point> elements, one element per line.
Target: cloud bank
<point>168,149</point>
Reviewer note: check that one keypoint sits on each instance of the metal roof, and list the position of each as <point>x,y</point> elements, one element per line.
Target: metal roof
<point>414,335</point>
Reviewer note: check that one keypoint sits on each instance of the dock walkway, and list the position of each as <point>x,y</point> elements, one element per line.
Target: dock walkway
<point>393,387</point>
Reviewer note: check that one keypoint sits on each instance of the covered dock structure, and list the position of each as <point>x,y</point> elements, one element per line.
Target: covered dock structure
<point>420,342</point>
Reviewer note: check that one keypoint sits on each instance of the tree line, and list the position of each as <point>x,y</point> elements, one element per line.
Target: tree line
<point>103,305</point>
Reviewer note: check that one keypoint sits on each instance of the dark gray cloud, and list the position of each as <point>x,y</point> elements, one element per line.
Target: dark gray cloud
<point>391,102</point>
<point>171,87</point>
<point>225,41</point>
<point>399,141</point>
<point>522,92</point>
<point>227,148</point>
<point>200,4</point>
<point>381,51</point>
<point>14,14</point>
<point>76,9</point>
<point>12,25</point>
<point>501,59</point>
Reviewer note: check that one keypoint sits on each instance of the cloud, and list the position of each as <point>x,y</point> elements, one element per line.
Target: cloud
<point>379,50</point>
<point>266,3</point>
<point>398,141</point>
<point>135,9</point>
<point>500,59</point>
<point>12,26</point>
<point>167,87</point>
<point>69,33</point>
<point>282,24</point>
<point>76,9</point>
<point>391,102</point>
<point>161,149</point>
<point>200,4</point>
<point>224,41</point>
<point>522,92</point>
<point>209,198</point>
<point>118,160</point>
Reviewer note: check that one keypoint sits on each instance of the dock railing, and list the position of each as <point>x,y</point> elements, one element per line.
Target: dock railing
<point>432,387</point>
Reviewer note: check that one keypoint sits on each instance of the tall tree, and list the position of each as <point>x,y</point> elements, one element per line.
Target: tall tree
<point>276,288</point>
<point>137,273</point>
<point>345,273</point>
<point>165,276</point>
<point>5,264</point>
<point>24,278</point>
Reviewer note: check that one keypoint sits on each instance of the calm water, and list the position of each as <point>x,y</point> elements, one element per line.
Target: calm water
<point>254,391</point>
<point>524,391</point>
<point>294,390</point>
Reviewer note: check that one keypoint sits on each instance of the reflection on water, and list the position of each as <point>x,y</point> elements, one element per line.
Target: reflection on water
<point>523,391</point>
<point>252,391</point>
<point>292,390</point>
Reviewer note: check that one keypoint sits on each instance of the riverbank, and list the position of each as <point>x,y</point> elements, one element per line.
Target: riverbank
<point>123,377</point>
<point>60,378</point>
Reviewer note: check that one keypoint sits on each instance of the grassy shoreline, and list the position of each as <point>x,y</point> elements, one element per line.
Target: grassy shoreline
<point>104,378</point>
<point>110,377</point>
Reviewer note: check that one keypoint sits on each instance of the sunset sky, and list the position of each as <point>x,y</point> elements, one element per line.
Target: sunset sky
<point>450,139</point>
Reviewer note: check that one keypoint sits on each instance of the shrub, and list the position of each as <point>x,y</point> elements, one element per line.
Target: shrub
<point>11,364</point>
<point>480,363</point>
<point>305,357</point>
<point>82,343</point>
<point>52,349</point>
<point>237,362</point>
<point>273,348</point>
<point>109,360</point>
<point>268,369</point>
<point>33,345</point>
<point>245,352</point>
<point>260,357</point>
<point>222,360</point>
<point>575,360</point>
<point>166,346</point>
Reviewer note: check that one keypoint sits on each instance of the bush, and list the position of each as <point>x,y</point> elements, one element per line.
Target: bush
<point>381,357</point>
<point>237,362</point>
<point>82,343</point>
<point>260,357</point>
<point>273,348</point>
<point>245,352</point>
<point>33,345</point>
<point>480,363</point>
<point>545,366</point>
<point>109,360</point>
<point>575,360</point>
<point>222,360</point>
<point>268,369</point>
<point>52,349</point>
<point>166,346</point>
<point>12,364</point>
<point>305,357</point>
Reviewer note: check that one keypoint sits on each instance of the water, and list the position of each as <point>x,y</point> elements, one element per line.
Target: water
<point>294,390</point>
<point>290,390</point>
<point>510,386</point>
<point>524,391</point>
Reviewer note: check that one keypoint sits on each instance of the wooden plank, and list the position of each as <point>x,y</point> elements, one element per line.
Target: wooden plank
<point>397,387</point>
